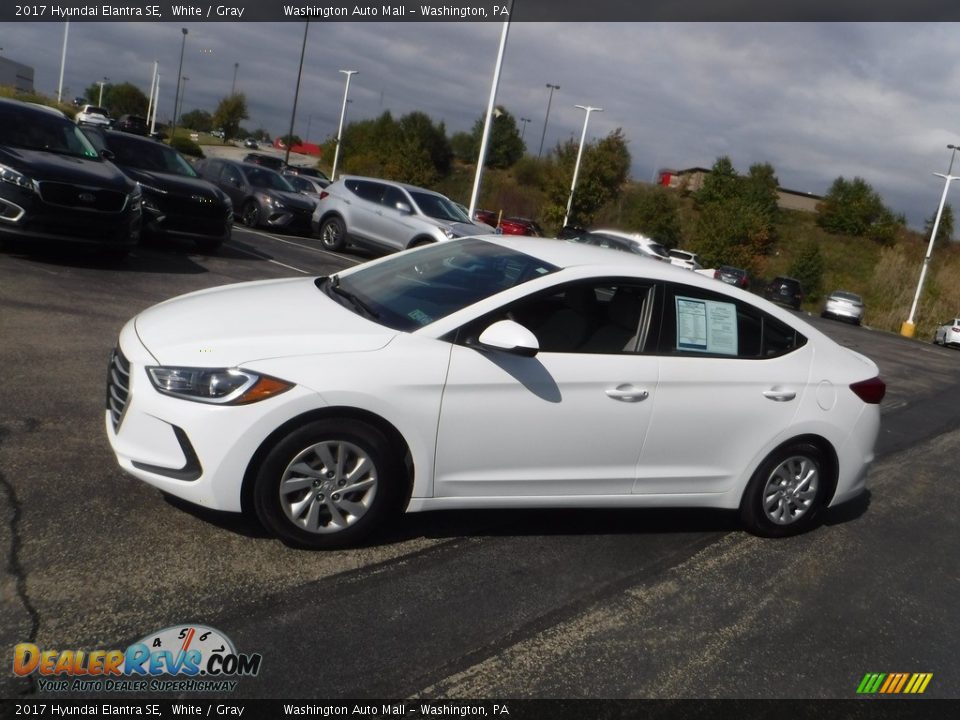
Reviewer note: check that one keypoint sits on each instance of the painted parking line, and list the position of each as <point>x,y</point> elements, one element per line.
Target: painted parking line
<point>299,245</point>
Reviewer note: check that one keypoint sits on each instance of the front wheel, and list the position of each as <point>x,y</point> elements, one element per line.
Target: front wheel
<point>786,493</point>
<point>329,484</point>
<point>250,215</point>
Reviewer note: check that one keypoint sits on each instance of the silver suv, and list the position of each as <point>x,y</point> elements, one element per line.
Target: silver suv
<point>387,215</point>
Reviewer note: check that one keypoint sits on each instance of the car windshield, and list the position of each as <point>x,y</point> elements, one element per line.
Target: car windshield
<point>438,207</point>
<point>43,131</point>
<point>851,297</point>
<point>414,289</point>
<point>95,111</point>
<point>149,155</point>
<point>268,179</point>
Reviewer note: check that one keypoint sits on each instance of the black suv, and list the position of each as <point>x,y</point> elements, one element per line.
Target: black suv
<point>132,124</point>
<point>274,163</point>
<point>785,291</point>
<point>55,186</point>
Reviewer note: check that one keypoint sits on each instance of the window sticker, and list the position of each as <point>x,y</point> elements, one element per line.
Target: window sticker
<point>706,326</point>
<point>420,317</point>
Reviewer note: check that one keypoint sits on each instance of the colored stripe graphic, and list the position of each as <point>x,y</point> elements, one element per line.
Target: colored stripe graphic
<point>894,683</point>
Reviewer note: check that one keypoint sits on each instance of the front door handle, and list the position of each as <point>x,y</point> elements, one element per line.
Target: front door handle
<point>779,394</point>
<point>627,393</point>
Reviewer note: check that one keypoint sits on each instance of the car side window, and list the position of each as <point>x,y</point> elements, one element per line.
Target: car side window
<point>610,317</point>
<point>391,196</point>
<point>699,322</point>
<point>231,175</point>
<point>366,190</point>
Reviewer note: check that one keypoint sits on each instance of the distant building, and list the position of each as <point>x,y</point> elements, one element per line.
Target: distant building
<point>16,75</point>
<point>691,180</point>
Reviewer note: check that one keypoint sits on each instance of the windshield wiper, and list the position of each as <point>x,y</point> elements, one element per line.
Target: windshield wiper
<point>332,285</point>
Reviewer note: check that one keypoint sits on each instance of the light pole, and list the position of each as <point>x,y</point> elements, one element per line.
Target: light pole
<point>63,61</point>
<point>176,94</point>
<point>183,94</point>
<point>576,167</point>
<point>547,118</point>
<point>296,93</point>
<point>233,85</point>
<point>909,328</point>
<point>523,130</point>
<point>101,83</point>
<point>343,112</point>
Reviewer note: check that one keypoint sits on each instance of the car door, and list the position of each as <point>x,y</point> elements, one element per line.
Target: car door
<point>570,421</point>
<point>233,184</point>
<point>363,214</point>
<point>732,379</point>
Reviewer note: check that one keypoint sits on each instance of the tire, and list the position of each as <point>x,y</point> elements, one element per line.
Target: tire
<point>250,214</point>
<point>302,490</point>
<point>333,234</point>
<point>786,493</point>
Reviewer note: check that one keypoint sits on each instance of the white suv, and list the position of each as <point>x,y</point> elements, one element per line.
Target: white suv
<point>93,115</point>
<point>387,215</point>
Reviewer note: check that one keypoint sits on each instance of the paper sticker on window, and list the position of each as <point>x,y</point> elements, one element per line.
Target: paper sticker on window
<point>706,326</point>
<point>420,317</point>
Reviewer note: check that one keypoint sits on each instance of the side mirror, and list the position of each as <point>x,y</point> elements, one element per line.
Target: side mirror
<point>509,337</point>
<point>107,155</point>
<point>404,208</point>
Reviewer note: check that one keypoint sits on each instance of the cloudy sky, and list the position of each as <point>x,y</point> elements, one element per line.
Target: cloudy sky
<point>874,100</point>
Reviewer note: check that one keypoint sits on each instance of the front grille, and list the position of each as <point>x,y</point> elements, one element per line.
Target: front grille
<point>82,197</point>
<point>118,387</point>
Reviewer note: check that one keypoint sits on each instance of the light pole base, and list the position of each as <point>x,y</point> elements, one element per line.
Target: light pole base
<point>908,329</point>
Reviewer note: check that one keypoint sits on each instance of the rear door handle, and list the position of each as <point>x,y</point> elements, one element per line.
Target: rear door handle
<point>627,393</point>
<point>779,394</point>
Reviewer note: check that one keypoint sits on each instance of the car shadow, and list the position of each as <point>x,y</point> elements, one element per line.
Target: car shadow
<point>146,258</point>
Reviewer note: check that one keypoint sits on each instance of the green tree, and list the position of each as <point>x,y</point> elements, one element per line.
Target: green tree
<point>122,99</point>
<point>463,147</point>
<point>721,183</point>
<point>199,120</point>
<point>807,267</point>
<point>603,170</point>
<point>229,113</point>
<point>945,229</point>
<point>654,211</point>
<point>853,207</point>
<point>504,146</point>
<point>291,140</point>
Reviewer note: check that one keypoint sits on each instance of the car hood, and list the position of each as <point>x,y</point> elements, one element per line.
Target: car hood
<point>236,324</point>
<point>40,165</point>
<point>178,184</point>
<point>291,199</point>
<point>460,229</point>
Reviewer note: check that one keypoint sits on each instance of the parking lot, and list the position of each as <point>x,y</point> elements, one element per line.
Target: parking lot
<point>564,603</point>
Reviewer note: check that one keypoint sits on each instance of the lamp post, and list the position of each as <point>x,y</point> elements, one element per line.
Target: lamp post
<point>63,61</point>
<point>183,94</point>
<point>576,167</point>
<point>909,327</point>
<point>101,83</point>
<point>176,94</point>
<point>343,112</point>
<point>296,93</point>
<point>547,118</point>
<point>523,130</point>
<point>233,85</point>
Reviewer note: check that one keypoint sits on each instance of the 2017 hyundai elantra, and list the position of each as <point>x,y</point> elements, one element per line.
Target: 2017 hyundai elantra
<point>489,373</point>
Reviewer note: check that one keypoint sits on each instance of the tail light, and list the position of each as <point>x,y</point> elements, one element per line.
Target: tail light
<point>323,194</point>
<point>870,391</point>
<point>716,274</point>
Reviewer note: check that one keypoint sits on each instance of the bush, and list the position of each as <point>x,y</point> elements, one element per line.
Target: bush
<point>807,267</point>
<point>186,146</point>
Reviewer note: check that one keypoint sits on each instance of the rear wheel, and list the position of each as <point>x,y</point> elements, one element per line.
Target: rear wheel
<point>786,493</point>
<point>333,234</point>
<point>329,484</point>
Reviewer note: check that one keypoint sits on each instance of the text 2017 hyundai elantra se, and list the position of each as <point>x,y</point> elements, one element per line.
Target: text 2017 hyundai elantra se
<point>489,373</point>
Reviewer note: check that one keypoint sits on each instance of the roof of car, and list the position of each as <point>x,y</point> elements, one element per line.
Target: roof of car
<point>405,186</point>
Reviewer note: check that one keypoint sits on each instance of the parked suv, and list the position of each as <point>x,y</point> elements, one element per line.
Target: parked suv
<point>387,215</point>
<point>785,291</point>
<point>132,124</point>
<point>54,185</point>
<point>93,115</point>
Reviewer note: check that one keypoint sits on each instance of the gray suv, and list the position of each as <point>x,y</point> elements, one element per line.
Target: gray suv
<point>387,215</point>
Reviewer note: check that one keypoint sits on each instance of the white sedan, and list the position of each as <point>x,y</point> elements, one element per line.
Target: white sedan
<point>489,373</point>
<point>948,334</point>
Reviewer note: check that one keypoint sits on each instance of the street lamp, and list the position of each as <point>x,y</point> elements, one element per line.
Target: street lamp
<point>101,83</point>
<point>576,167</point>
<point>523,130</point>
<point>343,112</point>
<point>233,85</point>
<point>296,93</point>
<point>547,118</point>
<point>176,95</point>
<point>909,328</point>
<point>63,61</point>
<point>183,94</point>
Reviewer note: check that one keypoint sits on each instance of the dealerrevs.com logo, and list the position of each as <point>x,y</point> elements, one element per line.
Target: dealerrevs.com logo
<point>201,658</point>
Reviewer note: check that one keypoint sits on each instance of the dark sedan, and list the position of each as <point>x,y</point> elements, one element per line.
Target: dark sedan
<point>176,201</point>
<point>261,197</point>
<point>55,186</point>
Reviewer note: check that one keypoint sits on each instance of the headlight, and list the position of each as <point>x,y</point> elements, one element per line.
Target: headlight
<point>449,233</point>
<point>222,386</point>
<point>271,201</point>
<point>8,174</point>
